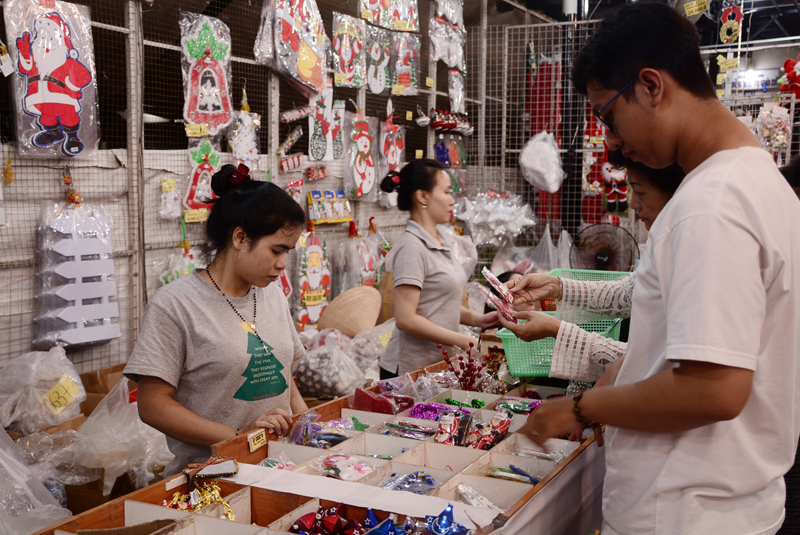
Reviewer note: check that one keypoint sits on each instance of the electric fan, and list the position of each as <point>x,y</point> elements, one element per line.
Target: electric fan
<point>604,247</point>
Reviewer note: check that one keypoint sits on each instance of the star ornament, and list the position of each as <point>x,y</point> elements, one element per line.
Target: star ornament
<point>247,327</point>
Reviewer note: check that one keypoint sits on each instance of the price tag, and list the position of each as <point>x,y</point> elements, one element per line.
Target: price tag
<point>419,155</point>
<point>195,216</point>
<point>257,440</point>
<point>695,8</point>
<point>196,130</point>
<point>366,14</point>
<point>6,66</point>
<point>398,90</point>
<point>720,93</point>
<point>409,116</point>
<point>60,396</point>
<point>168,184</point>
<point>721,77</point>
<point>402,25</point>
<point>727,64</point>
<point>386,337</point>
<point>597,140</point>
<point>429,81</point>
<point>340,78</point>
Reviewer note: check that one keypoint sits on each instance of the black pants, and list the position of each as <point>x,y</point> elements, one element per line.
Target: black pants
<point>387,375</point>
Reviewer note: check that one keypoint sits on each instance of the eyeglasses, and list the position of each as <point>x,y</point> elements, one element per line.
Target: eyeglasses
<point>597,113</point>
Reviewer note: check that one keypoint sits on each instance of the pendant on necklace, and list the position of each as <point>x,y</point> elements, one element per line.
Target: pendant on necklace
<point>248,327</point>
<point>253,326</point>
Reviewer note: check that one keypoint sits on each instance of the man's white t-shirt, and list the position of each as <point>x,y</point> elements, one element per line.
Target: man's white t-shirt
<point>720,283</point>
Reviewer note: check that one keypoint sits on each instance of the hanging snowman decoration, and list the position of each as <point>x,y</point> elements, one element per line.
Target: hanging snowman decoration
<point>56,90</point>
<point>379,50</point>
<point>198,193</point>
<point>362,159</point>
<point>392,143</point>
<point>320,145</point>
<point>206,44</point>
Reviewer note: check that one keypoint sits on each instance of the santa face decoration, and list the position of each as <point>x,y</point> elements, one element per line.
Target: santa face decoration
<point>206,44</point>
<point>364,163</point>
<point>348,46</point>
<point>315,281</point>
<point>392,147</point>
<point>55,86</point>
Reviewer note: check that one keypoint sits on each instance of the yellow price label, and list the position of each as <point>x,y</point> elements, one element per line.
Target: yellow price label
<point>597,140</point>
<point>60,396</point>
<point>196,130</point>
<point>419,155</point>
<point>402,25</point>
<point>398,90</point>
<point>385,338</point>
<point>409,116</point>
<point>3,50</point>
<point>429,81</point>
<point>366,14</point>
<point>169,184</point>
<point>727,64</point>
<point>302,241</point>
<point>695,8</point>
<point>339,78</point>
<point>721,76</point>
<point>195,216</point>
<point>720,93</point>
<point>257,440</point>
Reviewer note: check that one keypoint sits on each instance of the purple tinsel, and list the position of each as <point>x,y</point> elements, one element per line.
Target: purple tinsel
<point>432,411</point>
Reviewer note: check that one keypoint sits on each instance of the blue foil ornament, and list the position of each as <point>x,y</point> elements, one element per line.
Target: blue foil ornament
<point>444,523</point>
<point>372,520</point>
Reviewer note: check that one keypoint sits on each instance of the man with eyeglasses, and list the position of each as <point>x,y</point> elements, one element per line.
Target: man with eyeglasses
<point>703,412</point>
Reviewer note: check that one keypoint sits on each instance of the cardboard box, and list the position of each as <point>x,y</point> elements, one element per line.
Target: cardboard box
<point>81,498</point>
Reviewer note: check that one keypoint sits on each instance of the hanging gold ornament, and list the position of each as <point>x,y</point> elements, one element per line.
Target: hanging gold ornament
<point>8,171</point>
<point>729,32</point>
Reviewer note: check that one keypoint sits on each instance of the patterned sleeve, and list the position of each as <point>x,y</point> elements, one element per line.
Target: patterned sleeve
<point>604,298</point>
<point>579,355</point>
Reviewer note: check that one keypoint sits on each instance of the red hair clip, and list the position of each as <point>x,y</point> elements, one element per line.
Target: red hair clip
<point>239,176</point>
<point>396,179</point>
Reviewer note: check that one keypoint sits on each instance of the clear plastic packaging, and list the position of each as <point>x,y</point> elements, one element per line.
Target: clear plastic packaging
<point>68,456</point>
<point>349,34</point>
<point>378,56</point>
<point>314,279</point>
<point>77,277</point>
<point>403,385</point>
<point>170,200</point>
<point>391,147</point>
<point>540,162</point>
<point>405,63</point>
<point>327,337</point>
<point>308,431</point>
<point>545,256</point>
<point>264,48</point>
<point>377,12</point>
<point>56,118</point>
<point>455,88</point>
<point>462,247</point>
<point>320,144</point>
<point>149,456</point>
<point>362,257</point>
<point>470,496</point>
<point>300,44</point>
<point>417,482</point>
<point>26,505</point>
<point>360,175</point>
<point>205,62</point>
<point>368,346</point>
<point>451,10</point>
<point>179,264</point>
<point>39,390</point>
<point>456,58</point>
<point>491,217</point>
<point>405,15</point>
<point>295,114</point>
<point>327,372</point>
<point>343,466</point>
<point>278,461</point>
<point>243,135</point>
<point>291,139</point>
<point>439,35</point>
<point>337,129</point>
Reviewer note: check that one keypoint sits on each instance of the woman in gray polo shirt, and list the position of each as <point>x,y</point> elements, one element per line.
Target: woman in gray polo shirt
<point>428,280</point>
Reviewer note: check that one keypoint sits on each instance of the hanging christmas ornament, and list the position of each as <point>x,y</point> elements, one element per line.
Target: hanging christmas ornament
<point>320,146</point>
<point>455,88</point>
<point>444,523</point>
<point>263,48</point>
<point>300,44</point>
<point>206,45</point>
<point>377,12</point>
<point>243,133</point>
<point>360,176</point>
<point>379,52</point>
<point>55,91</point>
<point>348,51</point>
<point>405,58</point>
<point>404,14</point>
<point>616,189</point>
<point>199,193</point>
<point>170,201</point>
<point>337,134</point>
<point>9,175</point>
<point>392,144</point>
<point>314,278</point>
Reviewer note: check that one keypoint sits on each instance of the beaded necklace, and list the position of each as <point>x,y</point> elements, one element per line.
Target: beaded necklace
<point>245,324</point>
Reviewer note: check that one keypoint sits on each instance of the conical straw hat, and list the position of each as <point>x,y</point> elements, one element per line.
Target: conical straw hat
<point>354,311</point>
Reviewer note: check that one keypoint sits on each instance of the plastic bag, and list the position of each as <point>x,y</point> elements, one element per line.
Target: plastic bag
<point>451,10</point>
<point>308,431</point>
<point>243,134</point>
<point>403,385</point>
<point>39,390</point>
<point>204,156</point>
<point>362,257</point>
<point>329,336</point>
<point>26,506</point>
<point>457,39</point>
<point>278,461</point>
<point>392,147</point>
<point>510,258</point>
<point>404,15</point>
<point>492,217</point>
<point>368,346</point>
<point>206,66</point>
<point>416,482</point>
<point>327,372</point>
<point>545,256</point>
<point>455,88</point>
<point>540,162</point>
<point>377,12</point>
<point>562,250</point>
<point>58,118</point>
<point>149,456</point>
<point>360,177</point>
<point>344,466</point>
<point>462,247</point>
<point>263,48</point>
<point>77,277</point>
<point>405,63</point>
<point>379,53</point>
<point>439,36</point>
<point>320,144</point>
<point>69,456</point>
<point>301,46</point>
<point>179,264</point>
<point>113,429</point>
<point>349,34</point>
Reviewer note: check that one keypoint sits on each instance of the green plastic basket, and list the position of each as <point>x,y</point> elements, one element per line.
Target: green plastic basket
<point>533,359</point>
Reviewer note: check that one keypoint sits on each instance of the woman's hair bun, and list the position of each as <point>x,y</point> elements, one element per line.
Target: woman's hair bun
<point>229,178</point>
<point>391,182</point>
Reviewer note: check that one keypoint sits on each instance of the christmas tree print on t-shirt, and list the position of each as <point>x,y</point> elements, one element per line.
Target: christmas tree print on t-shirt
<point>263,375</point>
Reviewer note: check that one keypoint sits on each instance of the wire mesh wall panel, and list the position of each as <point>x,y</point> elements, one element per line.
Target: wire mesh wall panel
<point>101,178</point>
<point>748,108</point>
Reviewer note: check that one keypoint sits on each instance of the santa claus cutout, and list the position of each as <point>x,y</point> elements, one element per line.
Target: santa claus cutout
<point>364,167</point>
<point>315,282</point>
<point>55,79</point>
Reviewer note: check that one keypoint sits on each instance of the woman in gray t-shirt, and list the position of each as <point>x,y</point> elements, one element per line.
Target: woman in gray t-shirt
<point>428,280</point>
<point>213,358</point>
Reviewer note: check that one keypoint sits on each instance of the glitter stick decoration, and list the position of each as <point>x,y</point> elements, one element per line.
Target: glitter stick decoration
<point>466,368</point>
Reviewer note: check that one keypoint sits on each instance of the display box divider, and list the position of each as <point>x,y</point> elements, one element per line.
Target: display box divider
<point>538,468</point>
<point>145,528</point>
<point>203,525</point>
<point>394,467</point>
<point>309,468</point>
<point>514,442</point>
<point>373,444</point>
<point>365,417</point>
<point>296,453</point>
<point>441,456</point>
<point>285,522</point>
<point>503,494</point>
